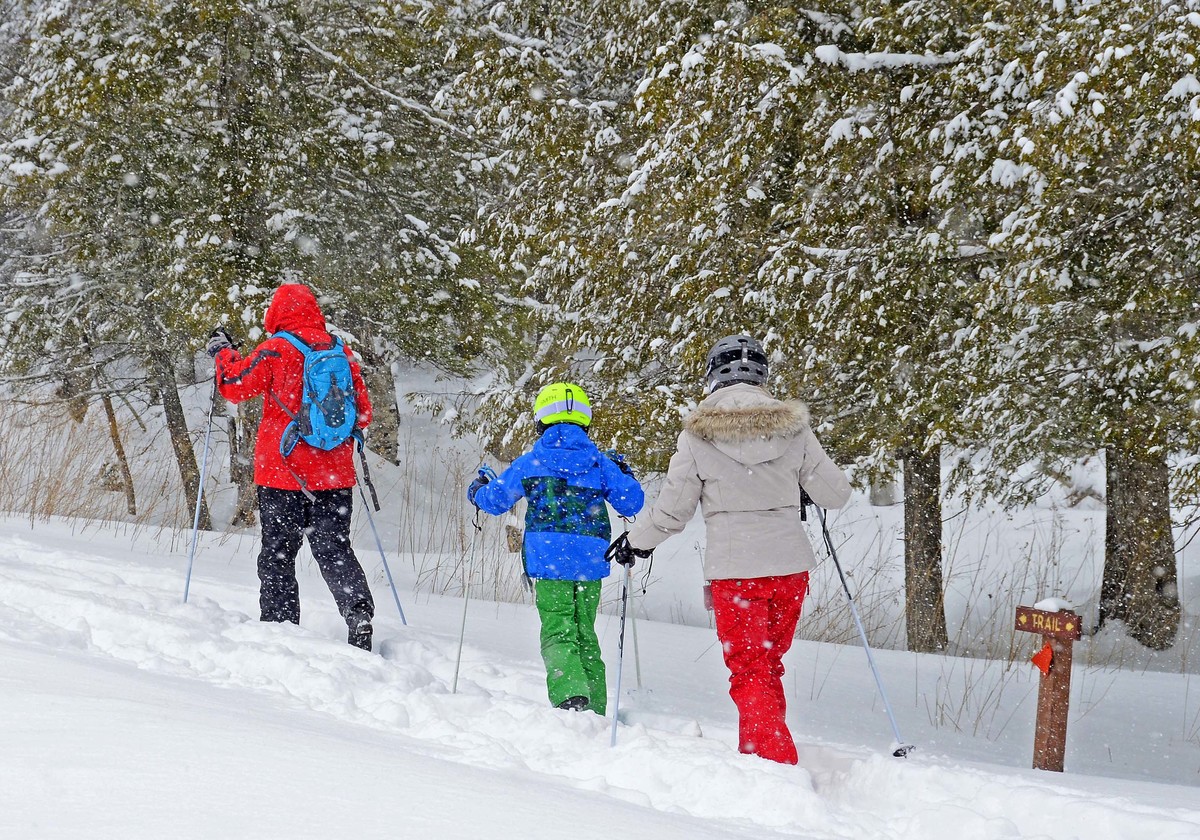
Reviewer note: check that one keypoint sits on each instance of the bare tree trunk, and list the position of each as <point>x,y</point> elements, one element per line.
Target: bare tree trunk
<point>114,430</point>
<point>181,441</point>
<point>114,434</point>
<point>1140,584</point>
<point>925,609</point>
<point>1116,538</point>
<point>384,437</point>
<point>243,432</point>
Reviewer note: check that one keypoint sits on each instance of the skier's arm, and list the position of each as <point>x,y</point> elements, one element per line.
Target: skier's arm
<point>241,378</point>
<point>621,490</point>
<point>500,494</point>
<point>675,505</point>
<point>824,480</point>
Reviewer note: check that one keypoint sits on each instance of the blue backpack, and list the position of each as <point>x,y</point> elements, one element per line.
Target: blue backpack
<point>327,407</point>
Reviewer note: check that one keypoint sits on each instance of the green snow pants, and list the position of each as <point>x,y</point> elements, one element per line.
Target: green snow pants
<point>570,649</point>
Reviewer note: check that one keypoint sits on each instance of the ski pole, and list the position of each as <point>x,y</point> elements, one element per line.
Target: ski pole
<point>467,568</point>
<point>187,583</point>
<point>620,652</point>
<point>637,651</point>
<point>902,749</point>
<point>637,657</point>
<point>362,456</point>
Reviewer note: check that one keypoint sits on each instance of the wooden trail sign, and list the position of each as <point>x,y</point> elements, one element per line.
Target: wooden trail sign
<point>1058,630</point>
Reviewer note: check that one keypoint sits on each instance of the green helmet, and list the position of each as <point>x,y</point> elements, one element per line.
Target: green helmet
<point>562,402</point>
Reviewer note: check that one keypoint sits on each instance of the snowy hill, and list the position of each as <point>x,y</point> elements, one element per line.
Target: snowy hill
<point>132,715</point>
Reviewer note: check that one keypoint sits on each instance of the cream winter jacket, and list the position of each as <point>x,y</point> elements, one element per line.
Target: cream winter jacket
<point>743,457</point>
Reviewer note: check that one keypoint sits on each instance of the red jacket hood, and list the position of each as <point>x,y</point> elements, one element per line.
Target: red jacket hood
<point>294,309</point>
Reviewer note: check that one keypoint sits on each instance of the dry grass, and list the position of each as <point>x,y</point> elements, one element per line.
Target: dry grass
<point>52,466</point>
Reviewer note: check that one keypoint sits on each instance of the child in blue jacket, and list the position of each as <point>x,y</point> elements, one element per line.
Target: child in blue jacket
<point>567,481</point>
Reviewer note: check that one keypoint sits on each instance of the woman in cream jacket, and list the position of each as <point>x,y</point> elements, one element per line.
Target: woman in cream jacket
<point>744,456</point>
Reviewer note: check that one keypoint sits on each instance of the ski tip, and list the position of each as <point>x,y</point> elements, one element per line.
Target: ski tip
<point>903,750</point>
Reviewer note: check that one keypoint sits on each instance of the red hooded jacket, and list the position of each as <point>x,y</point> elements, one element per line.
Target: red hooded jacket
<point>275,371</point>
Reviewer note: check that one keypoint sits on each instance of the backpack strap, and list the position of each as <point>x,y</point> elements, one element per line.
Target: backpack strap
<point>358,436</point>
<point>295,342</point>
<point>290,433</point>
<point>301,346</point>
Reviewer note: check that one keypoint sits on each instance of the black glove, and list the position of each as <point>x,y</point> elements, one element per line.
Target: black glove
<point>619,459</point>
<point>624,553</point>
<point>218,341</point>
<point>474,487</point>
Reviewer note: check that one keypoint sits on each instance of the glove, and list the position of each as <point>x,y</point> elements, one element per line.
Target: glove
<point>481,480</point>
<point>619,459</point>
<point>218,341</point>
<point>624,553</point>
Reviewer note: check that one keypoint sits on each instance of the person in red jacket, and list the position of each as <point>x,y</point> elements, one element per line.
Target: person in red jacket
<point>308,493</point>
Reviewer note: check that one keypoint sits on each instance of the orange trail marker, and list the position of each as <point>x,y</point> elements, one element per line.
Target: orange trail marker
<point>1043,658</point>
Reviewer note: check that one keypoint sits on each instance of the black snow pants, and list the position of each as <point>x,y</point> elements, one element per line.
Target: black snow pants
<point>288,516</point>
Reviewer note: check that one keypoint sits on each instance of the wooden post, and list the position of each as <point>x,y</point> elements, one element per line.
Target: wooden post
<point>1058,630</point>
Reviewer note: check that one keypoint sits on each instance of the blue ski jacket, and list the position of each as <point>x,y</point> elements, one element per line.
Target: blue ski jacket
<point>567,481</point>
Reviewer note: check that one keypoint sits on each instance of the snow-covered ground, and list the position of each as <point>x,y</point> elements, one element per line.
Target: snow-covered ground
<point>129,714</point>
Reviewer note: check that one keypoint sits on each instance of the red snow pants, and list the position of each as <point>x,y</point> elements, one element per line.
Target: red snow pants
<point>756,619</point>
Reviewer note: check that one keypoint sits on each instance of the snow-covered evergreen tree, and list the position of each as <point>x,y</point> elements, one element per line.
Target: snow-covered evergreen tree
<point>178,160</point>
<point>1099,294</point>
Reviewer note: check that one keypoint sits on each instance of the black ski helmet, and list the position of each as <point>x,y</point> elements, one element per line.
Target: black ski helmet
<point>734,359</point>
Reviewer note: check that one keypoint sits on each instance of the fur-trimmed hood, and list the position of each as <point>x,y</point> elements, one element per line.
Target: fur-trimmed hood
<point>743,412</point>
<point>747,424</point>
